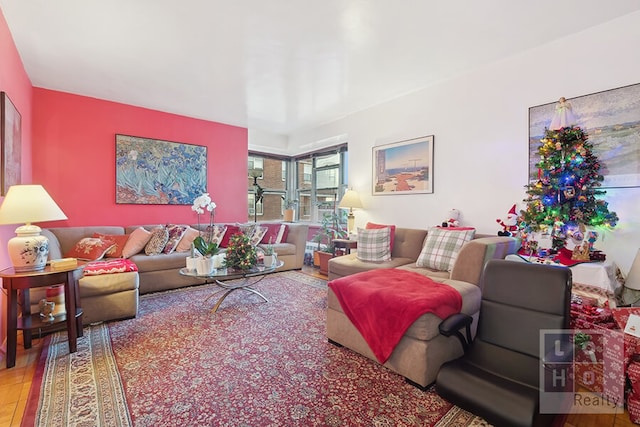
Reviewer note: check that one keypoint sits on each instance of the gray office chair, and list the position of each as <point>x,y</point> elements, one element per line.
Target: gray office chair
<point>498,376</point>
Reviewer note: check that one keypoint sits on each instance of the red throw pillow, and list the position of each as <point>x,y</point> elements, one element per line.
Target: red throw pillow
<point>372,225</point>
<point>90,249</point>
<point>276,233</point>
<point>231,230</point>
<point>119,239</point>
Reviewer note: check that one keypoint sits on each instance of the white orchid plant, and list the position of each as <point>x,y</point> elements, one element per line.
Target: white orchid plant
<point>201,205</point>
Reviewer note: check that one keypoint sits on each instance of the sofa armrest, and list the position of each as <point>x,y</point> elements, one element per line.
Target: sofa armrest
<point>298,236</point>
<point>476,253</point>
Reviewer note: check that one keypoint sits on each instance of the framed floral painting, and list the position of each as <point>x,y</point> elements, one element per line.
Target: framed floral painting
<point>156,172</point>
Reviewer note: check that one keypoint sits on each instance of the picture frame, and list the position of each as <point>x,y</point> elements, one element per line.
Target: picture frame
<point>403,167</point>
<point>157,172</point>
<point>611,120</point>
<point>10,144</point>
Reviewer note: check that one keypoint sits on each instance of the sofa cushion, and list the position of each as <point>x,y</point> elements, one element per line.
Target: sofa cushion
<point>441,247</point>
<point>373,244</point>
<point>91,286</point>
<point>90,248</point>
<point>426,326</point>
<point>119,239</point>
<point>137,241</point>
<point>350,264</point>
<point>157,242</point>
<point>172,261</point>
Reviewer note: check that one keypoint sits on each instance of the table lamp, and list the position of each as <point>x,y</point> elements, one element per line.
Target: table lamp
<point>632,281</point>
<point>26,204</point>
<point>350,200</point>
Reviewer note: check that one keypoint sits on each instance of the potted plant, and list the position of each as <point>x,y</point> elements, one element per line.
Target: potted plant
<point>270,256</point>
<point>206,247</point>
<point>289,209</point>
<point>331,227</point>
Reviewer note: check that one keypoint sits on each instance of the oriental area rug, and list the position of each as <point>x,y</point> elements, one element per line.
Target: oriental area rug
<point>253,363</point>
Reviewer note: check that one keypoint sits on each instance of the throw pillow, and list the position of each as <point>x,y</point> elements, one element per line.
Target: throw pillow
<point>373,244</point>
<point>157,242</point>
<point>276,233</point>
<point>175,233</point>
<point>138,239</point>
<point>119,239</point>
<point>184,245</point>
<point>215,234</point>
<point>90,249</point>
<point>258,234</point>
<point>372,225</point>
<point>441,247</point>
<point>231,230</point>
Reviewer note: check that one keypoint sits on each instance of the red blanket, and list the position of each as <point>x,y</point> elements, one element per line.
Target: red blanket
<point>382,304</point>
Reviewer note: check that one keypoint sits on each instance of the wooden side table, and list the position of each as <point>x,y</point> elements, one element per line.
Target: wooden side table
<point>13,281</point>
<point>345,244</point>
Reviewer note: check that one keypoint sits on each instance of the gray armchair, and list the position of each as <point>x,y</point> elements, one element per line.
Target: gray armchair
<point>498,376</point>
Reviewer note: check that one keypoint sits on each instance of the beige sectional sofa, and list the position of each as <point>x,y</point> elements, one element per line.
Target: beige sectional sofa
<point>422,350</point>
<point>115,296</point>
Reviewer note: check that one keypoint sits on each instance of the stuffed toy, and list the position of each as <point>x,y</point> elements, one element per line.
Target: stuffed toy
<point>509,224</point>
<point>453,219</point>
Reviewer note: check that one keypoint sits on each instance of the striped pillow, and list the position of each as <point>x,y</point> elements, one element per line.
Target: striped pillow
<point>373,244</point>
<point>441,247</point>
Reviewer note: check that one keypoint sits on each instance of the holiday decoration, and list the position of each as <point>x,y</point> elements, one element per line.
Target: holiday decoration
<point>240,254</point>
<point>509,224</point>
<point>564,199</point>
<point>453,219</point>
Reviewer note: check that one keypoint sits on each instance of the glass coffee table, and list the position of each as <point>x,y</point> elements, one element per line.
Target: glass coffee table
<point>223,278</point>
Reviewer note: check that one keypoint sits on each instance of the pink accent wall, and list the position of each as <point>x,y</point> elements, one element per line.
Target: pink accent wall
<point>15,82</point>
<point>74,159</point>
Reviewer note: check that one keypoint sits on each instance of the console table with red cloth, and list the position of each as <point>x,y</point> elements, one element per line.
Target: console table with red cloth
<point>593,280</point>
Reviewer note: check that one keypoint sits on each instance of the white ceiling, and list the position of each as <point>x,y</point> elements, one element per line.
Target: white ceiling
<point>277,65</point>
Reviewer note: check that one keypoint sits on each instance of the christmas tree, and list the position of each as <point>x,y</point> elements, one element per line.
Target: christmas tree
<point>565,197</point>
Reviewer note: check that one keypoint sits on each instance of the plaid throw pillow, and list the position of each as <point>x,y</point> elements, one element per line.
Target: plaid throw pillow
<point>373,244</point>
<point>441,248</point>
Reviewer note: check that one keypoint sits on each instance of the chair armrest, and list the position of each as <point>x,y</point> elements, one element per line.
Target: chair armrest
<point>452,325</point>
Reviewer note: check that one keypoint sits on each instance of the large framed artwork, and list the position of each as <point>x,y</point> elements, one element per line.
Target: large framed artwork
<point>611,120</point>
<point>11,143</point>
<point>403,167</point>
<point>156,172</point>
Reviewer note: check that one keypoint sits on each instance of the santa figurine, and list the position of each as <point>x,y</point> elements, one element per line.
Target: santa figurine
<point>509,224</point>
<point>453,219</point>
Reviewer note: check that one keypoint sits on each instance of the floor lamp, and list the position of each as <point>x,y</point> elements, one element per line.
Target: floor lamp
<point>259,191</point>
<point>350,200</point>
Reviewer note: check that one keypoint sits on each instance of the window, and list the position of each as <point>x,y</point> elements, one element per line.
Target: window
<point>272,183</point>
<point>321,181</point>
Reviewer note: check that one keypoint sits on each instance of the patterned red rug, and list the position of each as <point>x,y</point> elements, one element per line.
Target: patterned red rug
<point>250,364</point>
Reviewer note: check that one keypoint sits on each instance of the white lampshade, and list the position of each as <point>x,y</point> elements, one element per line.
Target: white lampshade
<point>632,280</point>
<point>350,200</point>
<point>26,204</point>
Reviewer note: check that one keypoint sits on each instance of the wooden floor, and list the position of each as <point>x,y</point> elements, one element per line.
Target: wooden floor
<point>15,384</point>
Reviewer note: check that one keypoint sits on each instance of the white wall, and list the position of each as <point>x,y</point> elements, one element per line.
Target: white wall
<point>480,123</point>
